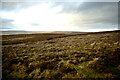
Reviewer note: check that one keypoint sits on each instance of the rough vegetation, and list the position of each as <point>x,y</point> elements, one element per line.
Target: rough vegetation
<point>95,55</point>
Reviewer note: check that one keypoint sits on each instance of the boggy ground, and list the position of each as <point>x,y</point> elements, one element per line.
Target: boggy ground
<point>95,55</point>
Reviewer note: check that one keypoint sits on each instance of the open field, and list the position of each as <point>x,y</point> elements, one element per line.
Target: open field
<point>92,55</point>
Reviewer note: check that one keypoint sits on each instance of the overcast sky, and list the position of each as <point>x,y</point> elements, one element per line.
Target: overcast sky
<point>59,16</point>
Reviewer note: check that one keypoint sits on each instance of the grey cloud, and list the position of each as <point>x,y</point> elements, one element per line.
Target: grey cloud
<point>102,19</point>
<point>7,20</point>
<point>86,6</point>
<point>16,6</point>
<point>7,24</point>
<point>0,5</point>
<point>94,12</point>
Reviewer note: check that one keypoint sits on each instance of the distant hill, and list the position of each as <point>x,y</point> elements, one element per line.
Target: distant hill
<point>17,32</point>
<point>50,32</point>
<point>68,32</point>
<point>32,32</point>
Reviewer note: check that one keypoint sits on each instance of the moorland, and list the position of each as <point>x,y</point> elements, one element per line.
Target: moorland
<point>61,56</point>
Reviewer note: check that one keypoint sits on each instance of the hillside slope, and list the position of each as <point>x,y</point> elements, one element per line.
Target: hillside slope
<point>93,55</point>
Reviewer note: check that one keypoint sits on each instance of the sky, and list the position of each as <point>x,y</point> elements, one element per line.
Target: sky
<point>59,16</point>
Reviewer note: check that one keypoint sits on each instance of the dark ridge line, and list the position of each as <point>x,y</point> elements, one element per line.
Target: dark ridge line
<point>65,35</point>
<point>24,41</point>
<point>62,33</point>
